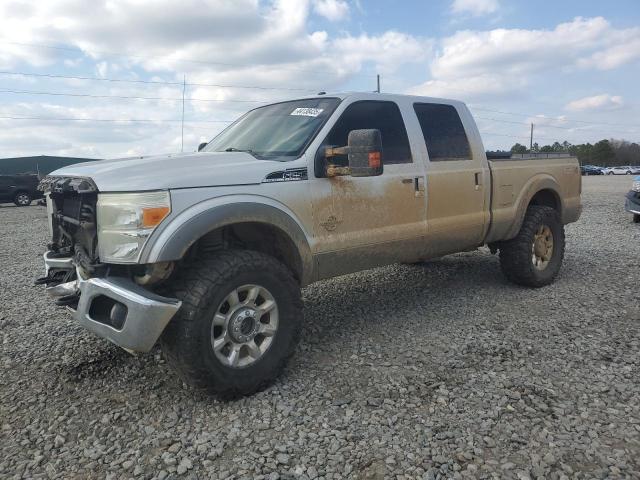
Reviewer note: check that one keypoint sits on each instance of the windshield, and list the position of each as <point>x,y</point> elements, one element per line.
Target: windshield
<point>279,130</point>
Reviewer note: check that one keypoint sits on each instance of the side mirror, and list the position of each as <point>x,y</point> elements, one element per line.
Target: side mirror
<point>202,145</point>
<point>364,151</point>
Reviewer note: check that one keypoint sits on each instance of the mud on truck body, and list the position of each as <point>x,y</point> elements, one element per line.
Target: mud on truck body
<point>207,252</point>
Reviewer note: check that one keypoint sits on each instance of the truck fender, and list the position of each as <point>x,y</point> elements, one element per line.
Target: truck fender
<point>535,184</point>
<point>174,239</point>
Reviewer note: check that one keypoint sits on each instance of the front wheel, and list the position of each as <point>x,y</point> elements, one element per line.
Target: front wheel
<point>22,199</point>
<point>636,218</point>
<point>534,257</point>
<point>238,325</point>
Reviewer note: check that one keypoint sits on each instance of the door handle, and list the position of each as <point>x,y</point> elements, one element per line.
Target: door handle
<point>418,185</point>
<point>478,178</point>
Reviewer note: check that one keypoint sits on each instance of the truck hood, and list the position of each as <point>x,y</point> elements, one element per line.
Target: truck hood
<point>201,169</point>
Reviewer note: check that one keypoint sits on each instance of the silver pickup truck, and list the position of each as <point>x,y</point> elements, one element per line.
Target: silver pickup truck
<point>206,252</point>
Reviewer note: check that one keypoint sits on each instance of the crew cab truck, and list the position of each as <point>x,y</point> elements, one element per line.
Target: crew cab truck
<point>207,251</point>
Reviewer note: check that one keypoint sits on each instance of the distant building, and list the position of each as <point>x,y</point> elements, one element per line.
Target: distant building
<point>42,164</point>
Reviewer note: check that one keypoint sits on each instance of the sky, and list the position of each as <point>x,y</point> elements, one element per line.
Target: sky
<point>106,78</point>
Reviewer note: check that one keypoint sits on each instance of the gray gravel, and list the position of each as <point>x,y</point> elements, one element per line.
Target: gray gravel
<point>440,370</point>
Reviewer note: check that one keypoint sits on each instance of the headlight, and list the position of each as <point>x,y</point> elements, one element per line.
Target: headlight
<point>636,186</point>
<point>126,220</point>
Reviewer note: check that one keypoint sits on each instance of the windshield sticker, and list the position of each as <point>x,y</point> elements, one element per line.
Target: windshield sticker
<point>307,112</point>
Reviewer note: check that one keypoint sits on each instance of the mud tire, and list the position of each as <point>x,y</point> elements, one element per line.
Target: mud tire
<point>516,254</point>
<point>202,286</point>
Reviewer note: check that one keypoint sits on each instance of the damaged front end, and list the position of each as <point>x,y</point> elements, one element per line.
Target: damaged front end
<point>71,211</point>
<point>104,298</point>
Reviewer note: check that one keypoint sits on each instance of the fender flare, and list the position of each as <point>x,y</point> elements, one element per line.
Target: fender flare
<point>171,242</point>
<point>532,187</point>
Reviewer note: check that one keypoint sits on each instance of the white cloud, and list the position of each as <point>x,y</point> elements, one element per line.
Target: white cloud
<point>223,42</point>
<point>596,102</point>
<point>475,7</point>
<point>333,10</point>
<point>515,56</point>
<point>478,86</point>
<point>388,51</point>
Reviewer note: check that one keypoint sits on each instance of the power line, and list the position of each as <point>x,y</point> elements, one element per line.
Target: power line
<point>126,97</point>
<point>517,136</point>
<point>544,125</point>
<point>150,82</point>
<point>567,119</point>
<point>198,62</point>
<point>122,120</point>
<point>257,87</point>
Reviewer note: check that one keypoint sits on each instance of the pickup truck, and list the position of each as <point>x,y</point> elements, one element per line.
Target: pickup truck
<point>206,252</point>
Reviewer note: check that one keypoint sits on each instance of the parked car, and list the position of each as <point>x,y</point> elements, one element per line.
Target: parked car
<point>632,203</point>
<point>19,189</point>
<point>624,170</point>
<point>590,170</point>
<point>207,251</point>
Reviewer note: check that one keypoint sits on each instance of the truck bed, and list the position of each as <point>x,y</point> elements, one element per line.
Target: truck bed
<point>517,178</point>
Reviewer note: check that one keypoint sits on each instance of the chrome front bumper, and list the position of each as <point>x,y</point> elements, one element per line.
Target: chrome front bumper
<point>141,315</point>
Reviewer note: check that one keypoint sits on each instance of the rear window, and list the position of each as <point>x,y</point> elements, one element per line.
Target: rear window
<point>443,132</point>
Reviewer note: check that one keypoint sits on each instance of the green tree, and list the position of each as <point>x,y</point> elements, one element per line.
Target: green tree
<point>603,153</point>
<point>518,148</point>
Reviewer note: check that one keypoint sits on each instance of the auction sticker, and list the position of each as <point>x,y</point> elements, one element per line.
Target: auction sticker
<point>307,112</point>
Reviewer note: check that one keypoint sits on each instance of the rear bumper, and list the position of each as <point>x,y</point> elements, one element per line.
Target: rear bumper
<point>115,308</point>
<point>632,203</point>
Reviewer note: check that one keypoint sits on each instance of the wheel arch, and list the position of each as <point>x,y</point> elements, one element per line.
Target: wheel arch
<point>540,190</point>
<point>241,222</point>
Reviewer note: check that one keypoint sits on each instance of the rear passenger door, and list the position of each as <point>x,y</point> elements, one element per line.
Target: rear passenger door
<point>456,181</point>
<point>362,222</point>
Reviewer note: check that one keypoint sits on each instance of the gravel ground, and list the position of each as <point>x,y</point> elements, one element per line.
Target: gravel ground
<point>440,370</point>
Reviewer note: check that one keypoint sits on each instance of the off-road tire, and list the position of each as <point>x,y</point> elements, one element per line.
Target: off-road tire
<point>202,286</point>
<point>516,254</point>
<point>22,199</point>
<point>636,218</point>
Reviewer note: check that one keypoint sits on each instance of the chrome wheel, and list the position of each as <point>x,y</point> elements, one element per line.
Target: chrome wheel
<point>542,247</point>
<point>244,326</point>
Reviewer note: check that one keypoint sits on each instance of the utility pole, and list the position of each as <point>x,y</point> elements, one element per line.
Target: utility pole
<point>531,140</point>
<point>378,81</point>
<point>184,88</point>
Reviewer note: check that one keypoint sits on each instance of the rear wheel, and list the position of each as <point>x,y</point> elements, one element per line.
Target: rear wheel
<point>534,257</point>
<point>636,218</point>
<point>239,323</point>
<point>22,199</point>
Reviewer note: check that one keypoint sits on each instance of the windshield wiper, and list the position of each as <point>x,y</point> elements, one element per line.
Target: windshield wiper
<point>232,149</point>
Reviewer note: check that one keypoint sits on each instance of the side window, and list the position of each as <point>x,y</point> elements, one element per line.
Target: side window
<point>386,117</point>
<point>443,132</point>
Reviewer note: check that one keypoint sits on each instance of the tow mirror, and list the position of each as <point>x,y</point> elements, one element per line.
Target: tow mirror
<point>202,145</point>
<point>364,151</point>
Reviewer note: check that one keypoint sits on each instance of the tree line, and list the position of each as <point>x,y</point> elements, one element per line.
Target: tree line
<point>605,153</point>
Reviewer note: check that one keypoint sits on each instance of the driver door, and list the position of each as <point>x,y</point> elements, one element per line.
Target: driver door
<point>363,222</point>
